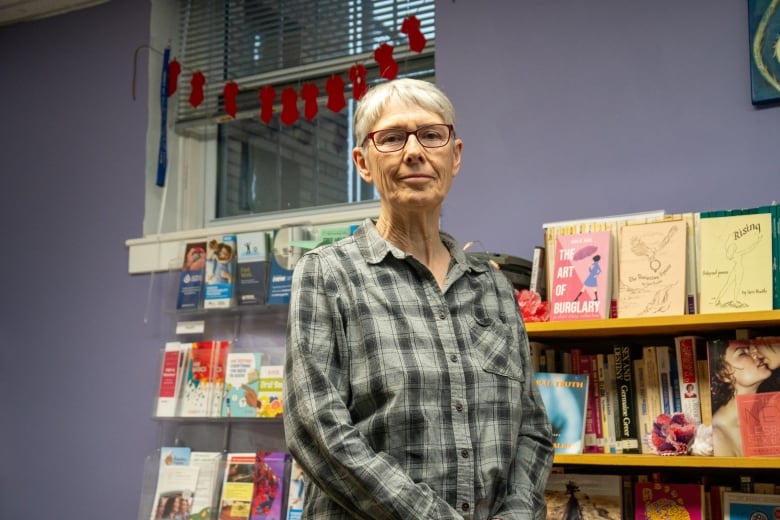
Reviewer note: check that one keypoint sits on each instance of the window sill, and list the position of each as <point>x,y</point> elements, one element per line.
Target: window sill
<point>163,252</point>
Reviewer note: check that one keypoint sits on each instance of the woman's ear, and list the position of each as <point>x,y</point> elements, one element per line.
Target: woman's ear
<point>361,163</point>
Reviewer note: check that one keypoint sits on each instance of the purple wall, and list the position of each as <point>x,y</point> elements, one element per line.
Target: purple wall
<point>575,109</point>
<point>568,109</point>
<point>77,362</point>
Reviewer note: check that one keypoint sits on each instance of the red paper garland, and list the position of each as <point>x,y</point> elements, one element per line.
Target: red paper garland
<point>383,55</point>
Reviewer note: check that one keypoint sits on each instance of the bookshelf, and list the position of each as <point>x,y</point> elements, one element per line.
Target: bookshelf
<point>562,332</point>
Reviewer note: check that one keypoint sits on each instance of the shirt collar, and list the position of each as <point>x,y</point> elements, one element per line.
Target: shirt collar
<point>374,248</point>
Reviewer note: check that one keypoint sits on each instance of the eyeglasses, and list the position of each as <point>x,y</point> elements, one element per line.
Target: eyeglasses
<point>394,139</point>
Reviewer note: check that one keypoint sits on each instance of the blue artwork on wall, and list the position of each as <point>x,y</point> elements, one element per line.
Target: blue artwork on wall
<point>764,26</point>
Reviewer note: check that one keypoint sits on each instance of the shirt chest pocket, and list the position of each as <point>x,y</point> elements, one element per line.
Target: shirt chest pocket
<point>497,349</point>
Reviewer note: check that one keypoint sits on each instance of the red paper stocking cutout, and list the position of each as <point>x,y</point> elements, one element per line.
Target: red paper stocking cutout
<point>230,91</point>
<point>388,68</point>
<point>335,88</point>
<point>357,75</point>
<point>309,93</point>
<point>267,96</point>
<point>174,69</point>
<point>289,106</point>
<point>411,27</point>
<point>196,94</point>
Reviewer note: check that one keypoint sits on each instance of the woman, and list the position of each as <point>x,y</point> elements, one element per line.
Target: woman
<point>408,387</point>
<point>734,369</point>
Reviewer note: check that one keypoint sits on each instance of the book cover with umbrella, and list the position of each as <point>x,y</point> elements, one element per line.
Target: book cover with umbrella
<point>581,276</point>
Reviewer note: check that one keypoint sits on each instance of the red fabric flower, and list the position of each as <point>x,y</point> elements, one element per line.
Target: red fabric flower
<point>532,308</point>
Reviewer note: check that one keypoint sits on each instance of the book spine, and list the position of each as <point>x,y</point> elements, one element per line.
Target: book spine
<point>170,378</point>
<point>615,443</point>
<point>537,281</point>
<point>628,430</point>
<point>705,399</point>
<point>594,405</point>
<point>686,357</point>
<point>664,381</point>
<point>604,438</point>
<point>644,421</point>
<point>652,382</point>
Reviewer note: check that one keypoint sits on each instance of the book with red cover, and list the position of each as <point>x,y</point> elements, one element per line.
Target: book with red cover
<point>667,500</point>
<point>759,423</point>
<point>581,278</point>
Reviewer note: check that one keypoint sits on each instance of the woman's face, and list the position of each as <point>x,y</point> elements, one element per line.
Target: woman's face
<point>746,369</point>
<point>413,176</point>
<point>770,351</point>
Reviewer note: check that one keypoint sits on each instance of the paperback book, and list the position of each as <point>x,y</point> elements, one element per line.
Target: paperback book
<point>252,263</point>
<point>744,405</point>
<point>750,506</point>
<point>205,377</point>
<point>565,398</point>
<point>171,375</point>
<point>585,497</point>
<point>269,394</point>
<point>652,267</point>
<point>191,276</point>
<point>242,384</point>
<point>581,278</point>
<point>665,500</point>
<point>736,263</point>
<point>219,290</point>
<point>177,482</point>
<point>296,491</point>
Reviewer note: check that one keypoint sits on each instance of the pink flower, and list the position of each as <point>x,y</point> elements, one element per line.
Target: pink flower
<point>532,308</point>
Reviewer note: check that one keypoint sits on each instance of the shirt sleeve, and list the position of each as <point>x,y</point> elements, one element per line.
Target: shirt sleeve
<point>534,457</point>
<point>318,429</point>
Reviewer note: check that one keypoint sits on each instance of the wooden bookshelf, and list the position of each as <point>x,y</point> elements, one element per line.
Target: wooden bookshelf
<point>658,461</point>
<point>768,322</point>
<point>664,325</point>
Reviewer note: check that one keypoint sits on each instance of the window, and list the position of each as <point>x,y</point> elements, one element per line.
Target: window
<point>253,168</point>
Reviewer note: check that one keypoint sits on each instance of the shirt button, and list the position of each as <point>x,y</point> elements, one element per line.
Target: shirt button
<point>464,453</point>
<point>442,315</point>
<point>465,506</point>
<point>454,358</point>
<point>459,407</point>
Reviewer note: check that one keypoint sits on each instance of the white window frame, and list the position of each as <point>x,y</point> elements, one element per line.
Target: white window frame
<point>179,212</point>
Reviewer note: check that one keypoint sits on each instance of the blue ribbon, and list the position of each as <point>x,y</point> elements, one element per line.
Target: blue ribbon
<point>162,156</point>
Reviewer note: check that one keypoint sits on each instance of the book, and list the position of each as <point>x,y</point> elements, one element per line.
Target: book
<point>759,423</point>
<point>177,482</point>
<point>171,375</point>
<point>219,289</point>
<point>204,383</point>
<point>653,388</point>
<point>644,421</point>
<point>242,383</point>
<point>252,266</point>
<point>582,496</point>
<point>565,398</point>
<point>628,428</point>
<point>296,491</point>
<point>253,485</point>
<point>705,402</point>
<point>237,486</point>
<point>750,506</point>
<point>736,370</point>
<point>205,501</point>
<point>581,276</point>
<point>664,379</point>
<point>191,276</point>
<point>269,393</point>
<point>652,267</point>
<point>268,491</point>
<point>688,350</point>
<point>538,281</point>
<point>736,263</point>
<point>668,500</point>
